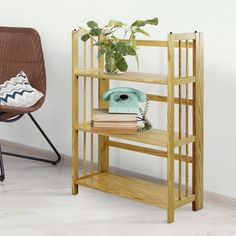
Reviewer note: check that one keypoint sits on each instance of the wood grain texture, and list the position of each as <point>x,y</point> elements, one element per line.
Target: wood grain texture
<point>140,77</point>
<point>92,104</point>
<point>75,84</point>
<point>127,76</point>
<point>140,190</point>
<point>187,120</point>
<point>103,148</point>
<point>180,122</point>
<point>157,43</point>
<point>156,137</point>
<point>170,128</point>
<point>194,123</point>
<point>84,109</point>
<point>185,36</point>
<point>199,124</point>
<point>160,98</point>
<point>149,151</point>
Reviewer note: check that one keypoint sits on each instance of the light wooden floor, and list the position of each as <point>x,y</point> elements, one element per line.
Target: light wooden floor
<point>35,200</point>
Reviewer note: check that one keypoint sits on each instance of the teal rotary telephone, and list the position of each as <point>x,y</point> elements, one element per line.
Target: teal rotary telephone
<point>124,99</point>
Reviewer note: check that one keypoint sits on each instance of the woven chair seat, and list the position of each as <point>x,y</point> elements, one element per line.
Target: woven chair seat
<point>20,50</point>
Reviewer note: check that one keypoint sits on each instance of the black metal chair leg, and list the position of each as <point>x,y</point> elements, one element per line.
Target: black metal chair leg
<point>2,174</point>
<point>37,158</point>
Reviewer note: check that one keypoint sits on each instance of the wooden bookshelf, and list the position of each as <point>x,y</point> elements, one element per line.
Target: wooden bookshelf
<point>181,142</point>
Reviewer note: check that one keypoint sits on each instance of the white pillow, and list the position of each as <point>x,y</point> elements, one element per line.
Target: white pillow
<point>17,92</point>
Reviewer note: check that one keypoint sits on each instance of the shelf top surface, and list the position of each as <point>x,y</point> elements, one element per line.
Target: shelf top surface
<point>129,187</point>
<point>153,137</point>
<point>127,76</point>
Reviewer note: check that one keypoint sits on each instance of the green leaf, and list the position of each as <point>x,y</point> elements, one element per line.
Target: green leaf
<point>115,23</point>
<point>92,24</point>
<point>125,48</point>
<point>110,61</point>
<point>118,56</point>
<point>130,51</point>
<point>122,47</point>
<point>132,41</point>
<point>113,46</point>
<point>95,32</point>
<point>138,23</point>
<point>101,52</point>
<point>142,32</point>
<point>121,64</point>
<point>110,57</point>
<point>153,21</point>
<point>115,39</point>
<point>110,68</point>
<point>82,32</point>
<point>85,37</point>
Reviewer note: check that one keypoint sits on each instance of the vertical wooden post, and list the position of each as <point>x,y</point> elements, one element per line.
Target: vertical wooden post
<point>180,123</point>
<point>193,120</point>
<point>92,105</point>
<point>75,141</point>
<point>187,120</point>
<point>170,128</point>
<point>84,110</point>
<point>103,148</point>
<point>198,129</point>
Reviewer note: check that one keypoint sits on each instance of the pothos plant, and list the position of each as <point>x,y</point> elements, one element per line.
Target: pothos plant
<point>109,45</point>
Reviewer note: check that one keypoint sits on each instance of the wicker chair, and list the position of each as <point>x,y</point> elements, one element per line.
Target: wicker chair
<point>20,49</point>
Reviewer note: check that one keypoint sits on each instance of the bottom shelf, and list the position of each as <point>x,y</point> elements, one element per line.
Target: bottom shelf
<point>133,188</point>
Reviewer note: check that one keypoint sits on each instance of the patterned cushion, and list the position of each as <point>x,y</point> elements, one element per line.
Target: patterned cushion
<point>17,92</point>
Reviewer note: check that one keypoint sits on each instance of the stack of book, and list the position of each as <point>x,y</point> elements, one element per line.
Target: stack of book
<point>117,123</point>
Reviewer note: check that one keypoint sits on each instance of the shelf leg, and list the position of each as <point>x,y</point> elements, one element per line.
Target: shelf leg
<point>75,104</point>
<point>198,126</point>
<point>103,154</point>
<point>170,128</point>
<point>103,148</point>
<point>75,187</point>
<point>170,172</point>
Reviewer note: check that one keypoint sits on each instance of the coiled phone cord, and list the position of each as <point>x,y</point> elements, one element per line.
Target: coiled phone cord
<point>146,122</point>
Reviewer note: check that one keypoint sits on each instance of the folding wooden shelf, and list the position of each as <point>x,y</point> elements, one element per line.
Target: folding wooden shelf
<point>188,140</point>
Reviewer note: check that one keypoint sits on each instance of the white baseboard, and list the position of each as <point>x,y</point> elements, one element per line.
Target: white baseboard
<point>210,197</point>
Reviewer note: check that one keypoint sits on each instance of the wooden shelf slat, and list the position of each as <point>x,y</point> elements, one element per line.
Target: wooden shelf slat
<point>128,187</point>
<point>127,76</point>
<point>146,150</point>
<point>156,137</point>
<point>135,77</point>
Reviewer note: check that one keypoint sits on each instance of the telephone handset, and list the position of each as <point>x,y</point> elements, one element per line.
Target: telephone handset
<point>124,99</point>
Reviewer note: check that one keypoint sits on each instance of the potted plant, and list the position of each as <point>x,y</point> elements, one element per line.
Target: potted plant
<point>110,46</point>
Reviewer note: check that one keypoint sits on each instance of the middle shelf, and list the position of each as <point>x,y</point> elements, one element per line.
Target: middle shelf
<point>135,77</point>
<point>156,137</point>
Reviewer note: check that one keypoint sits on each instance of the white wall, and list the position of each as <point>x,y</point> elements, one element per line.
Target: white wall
<point>55,19</point>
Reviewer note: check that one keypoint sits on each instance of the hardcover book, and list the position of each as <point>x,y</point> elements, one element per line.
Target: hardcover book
<point>104,115</point>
